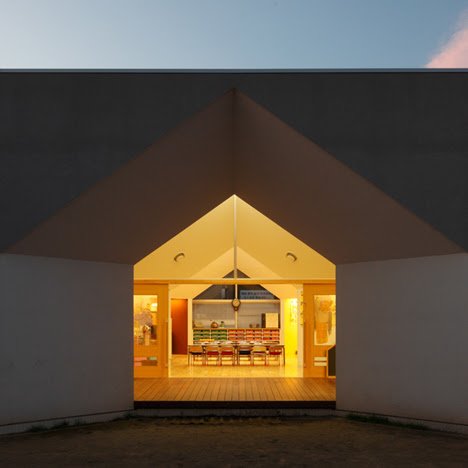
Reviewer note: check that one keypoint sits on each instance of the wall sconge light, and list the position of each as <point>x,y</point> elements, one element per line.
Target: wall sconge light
<point>291,257</point>
<point>179,257</point>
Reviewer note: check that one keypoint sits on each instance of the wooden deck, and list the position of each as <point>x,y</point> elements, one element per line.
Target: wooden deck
<point>239,392</point>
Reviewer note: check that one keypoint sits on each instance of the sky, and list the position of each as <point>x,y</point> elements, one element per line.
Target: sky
<point>242,34</point>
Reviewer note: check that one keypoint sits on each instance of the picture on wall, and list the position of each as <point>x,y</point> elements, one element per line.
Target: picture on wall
<point>325,320</point>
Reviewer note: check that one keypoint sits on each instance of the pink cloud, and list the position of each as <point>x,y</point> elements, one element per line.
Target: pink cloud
<point>453,54</point>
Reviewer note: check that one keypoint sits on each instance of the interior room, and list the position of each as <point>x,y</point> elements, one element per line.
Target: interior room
<point>231,288</point>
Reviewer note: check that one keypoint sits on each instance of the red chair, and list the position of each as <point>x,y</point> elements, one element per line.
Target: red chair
<point>275,353</point>
<point>212,353</point>
<point>227,352</point>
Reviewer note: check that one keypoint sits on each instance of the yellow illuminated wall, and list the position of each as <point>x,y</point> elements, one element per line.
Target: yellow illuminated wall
<point>290,327</point>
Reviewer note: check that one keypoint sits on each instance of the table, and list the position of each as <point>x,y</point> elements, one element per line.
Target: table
<point>236,345</point>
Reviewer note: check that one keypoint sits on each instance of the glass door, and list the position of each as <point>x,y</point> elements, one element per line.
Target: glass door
<point>150,320</point>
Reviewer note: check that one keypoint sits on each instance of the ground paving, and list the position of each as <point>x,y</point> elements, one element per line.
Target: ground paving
<point>234,443</point>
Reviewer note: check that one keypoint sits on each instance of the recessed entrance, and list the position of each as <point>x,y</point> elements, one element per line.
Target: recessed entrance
<point>234,309</point>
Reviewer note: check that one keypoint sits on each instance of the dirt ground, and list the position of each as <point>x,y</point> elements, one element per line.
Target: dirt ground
<point>234,443</point>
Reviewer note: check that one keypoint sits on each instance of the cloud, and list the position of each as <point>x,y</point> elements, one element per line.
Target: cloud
<point>453,54</point>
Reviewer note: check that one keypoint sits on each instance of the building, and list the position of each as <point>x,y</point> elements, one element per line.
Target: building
<point>100,168</point>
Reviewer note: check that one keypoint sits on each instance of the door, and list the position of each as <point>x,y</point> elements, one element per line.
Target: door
<point>179,326</point>
<point>150,323</point>
<point>319,312</point>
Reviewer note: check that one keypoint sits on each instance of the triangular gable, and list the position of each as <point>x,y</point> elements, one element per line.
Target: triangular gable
<point>219,267</point>
<point>211,236</point>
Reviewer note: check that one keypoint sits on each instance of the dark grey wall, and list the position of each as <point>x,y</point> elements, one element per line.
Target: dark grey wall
<point>60,132</point>
<point>320,200</point>
<point>405,132</point>
<point>148,200</point>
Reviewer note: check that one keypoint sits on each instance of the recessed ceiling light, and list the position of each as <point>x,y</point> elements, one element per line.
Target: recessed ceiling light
<point>291,257</point>
<point>179,257</point>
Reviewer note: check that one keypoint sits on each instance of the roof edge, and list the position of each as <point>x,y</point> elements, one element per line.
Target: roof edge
<point>220,71</point>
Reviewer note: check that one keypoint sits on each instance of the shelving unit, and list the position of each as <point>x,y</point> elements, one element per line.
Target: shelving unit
<point>204,334</point>
<point>236,334</point>
<point>271,334</point>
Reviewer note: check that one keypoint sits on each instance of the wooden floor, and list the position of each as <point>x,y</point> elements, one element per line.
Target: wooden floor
<point>179,368</point>
<point>178,390</point>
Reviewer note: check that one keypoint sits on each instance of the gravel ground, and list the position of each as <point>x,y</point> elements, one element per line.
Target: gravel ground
<point>234,443</point>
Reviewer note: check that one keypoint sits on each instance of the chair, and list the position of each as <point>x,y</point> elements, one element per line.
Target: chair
<point>259,353</point>
<point>227,352</point>
<point>194,353</point>
<point>244,352</point>
<point>275,352</point>
<point>212,352</point>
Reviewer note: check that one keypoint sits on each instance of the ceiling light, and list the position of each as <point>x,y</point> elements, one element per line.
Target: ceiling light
<point>179,257</point>
<point>291,257</point>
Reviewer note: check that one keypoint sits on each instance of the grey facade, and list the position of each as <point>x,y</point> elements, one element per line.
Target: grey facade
<point>75,147</point>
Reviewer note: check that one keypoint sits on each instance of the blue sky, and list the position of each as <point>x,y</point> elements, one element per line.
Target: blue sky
<point>233,34</point>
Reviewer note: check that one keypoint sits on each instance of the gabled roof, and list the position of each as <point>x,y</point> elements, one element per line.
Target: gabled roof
<point>219,267</point>
<point>234,146</point>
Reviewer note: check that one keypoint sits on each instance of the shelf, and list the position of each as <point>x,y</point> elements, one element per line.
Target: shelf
<point>236,334</point>
<point>243,301</point>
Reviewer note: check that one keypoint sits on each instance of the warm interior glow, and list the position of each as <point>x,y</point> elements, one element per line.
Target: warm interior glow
<point>208,245</point>
<point>290,327</point>
<point>264,250</point>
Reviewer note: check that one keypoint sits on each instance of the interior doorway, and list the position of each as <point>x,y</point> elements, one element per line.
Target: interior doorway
<point>178,326</point>
<point>311,379</point>
<point>305,327</point>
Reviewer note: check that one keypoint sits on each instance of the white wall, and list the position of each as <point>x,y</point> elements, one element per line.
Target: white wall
<point>65,338</point>
<point>402,337</point>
